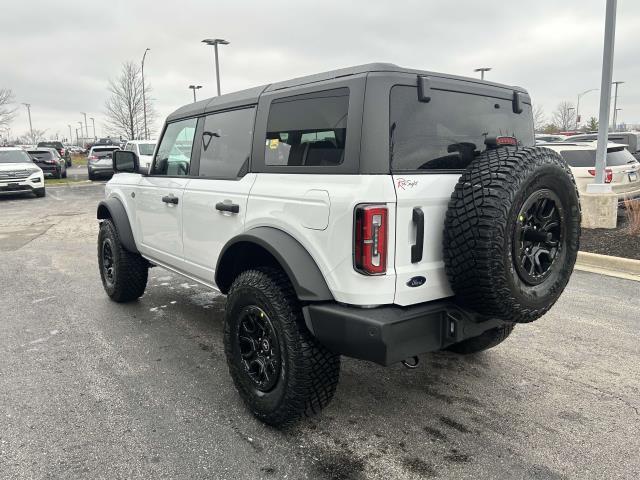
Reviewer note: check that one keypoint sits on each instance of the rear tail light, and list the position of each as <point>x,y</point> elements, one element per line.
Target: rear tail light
<point>93,157</point>
<point>370,239</point>
<point>608,174</point>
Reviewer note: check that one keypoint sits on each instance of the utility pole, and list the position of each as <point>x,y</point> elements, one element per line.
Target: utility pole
<point>615,105</point>
<point>578,104</point>
<point>215,42</point>
<point>482,70</point>
<point>605,99</point>
<point>93,121</point>
<point>77,138</point>
<point>194,88</point>
<point>28,105</point>
<point>86,128</point>
<point>70,134</point>
<point>144,98</point>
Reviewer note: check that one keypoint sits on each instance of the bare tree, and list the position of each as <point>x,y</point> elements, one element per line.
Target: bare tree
<point>7,113</point>
<point>538,118</point>
<point>33,137</point>
<point>124,108</point>
<point>565,116</point>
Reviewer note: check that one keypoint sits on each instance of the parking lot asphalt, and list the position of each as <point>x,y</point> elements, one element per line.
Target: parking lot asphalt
<point>93,389</point>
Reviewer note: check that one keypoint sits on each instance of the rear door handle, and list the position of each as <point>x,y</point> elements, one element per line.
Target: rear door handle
<point>418,220</point>
<point>170,199</point>
<point>228,207</point>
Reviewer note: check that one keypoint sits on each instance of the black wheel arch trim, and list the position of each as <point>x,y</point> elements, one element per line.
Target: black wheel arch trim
<point>302,270</point>
<point>114,209</point>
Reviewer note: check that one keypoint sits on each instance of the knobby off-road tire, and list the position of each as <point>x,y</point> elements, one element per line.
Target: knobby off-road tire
<point>265,331</point>
<point>124,274</point>
<point>487,340</point>
<point>512,233</point>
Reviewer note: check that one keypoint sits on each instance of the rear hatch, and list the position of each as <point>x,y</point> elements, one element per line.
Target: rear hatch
<point>432,142</point>
<point>103,156</point>
<point>622,172</point>
<point>43,157</point>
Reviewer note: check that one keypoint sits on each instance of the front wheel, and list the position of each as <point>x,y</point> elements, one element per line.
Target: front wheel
<point>124,274</point>
<point>40,192</point>
<point>278,367</point>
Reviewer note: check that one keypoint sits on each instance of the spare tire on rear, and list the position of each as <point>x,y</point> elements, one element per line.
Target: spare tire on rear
<point>512,232</point>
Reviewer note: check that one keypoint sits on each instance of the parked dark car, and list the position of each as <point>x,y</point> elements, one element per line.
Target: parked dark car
<point>63,152</point>
<point>50,161</point>
<point>100,162</point>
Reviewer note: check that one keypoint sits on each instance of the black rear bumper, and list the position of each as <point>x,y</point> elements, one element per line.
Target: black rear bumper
<point>390,334</point>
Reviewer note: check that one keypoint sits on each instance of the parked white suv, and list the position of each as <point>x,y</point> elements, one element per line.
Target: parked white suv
<point>19,173</point>
<point>144,150</point>
<point>622,170</point>
<point>376,212</point>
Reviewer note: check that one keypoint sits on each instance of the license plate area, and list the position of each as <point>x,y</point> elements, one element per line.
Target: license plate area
<point>633,177</point>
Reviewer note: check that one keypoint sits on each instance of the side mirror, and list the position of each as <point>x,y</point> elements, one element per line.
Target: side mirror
<point>125,162</point>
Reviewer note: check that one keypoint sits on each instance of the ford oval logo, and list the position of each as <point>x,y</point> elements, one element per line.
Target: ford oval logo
<point>416,282</point>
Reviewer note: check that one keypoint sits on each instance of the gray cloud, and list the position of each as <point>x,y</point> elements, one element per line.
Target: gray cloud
<point>58,56</point>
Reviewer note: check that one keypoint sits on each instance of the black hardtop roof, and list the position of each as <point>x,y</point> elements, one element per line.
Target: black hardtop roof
<point>251,95</point>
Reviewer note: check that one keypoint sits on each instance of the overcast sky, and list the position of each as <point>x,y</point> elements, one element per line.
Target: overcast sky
<point>58,56</point>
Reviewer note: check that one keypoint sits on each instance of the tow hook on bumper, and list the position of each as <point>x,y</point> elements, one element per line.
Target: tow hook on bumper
<point>411,362</point>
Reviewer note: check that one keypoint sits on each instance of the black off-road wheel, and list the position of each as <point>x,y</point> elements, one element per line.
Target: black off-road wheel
<point>512,233</point>
<point>278,367</point>
<point>485,341</point>
<point>124,274</point>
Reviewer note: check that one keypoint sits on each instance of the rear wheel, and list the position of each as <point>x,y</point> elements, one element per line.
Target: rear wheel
<point>124,274</point>
<point>58,173</point>
<point>91,176</point>
<point>485,341</point>
<point>278,367</point>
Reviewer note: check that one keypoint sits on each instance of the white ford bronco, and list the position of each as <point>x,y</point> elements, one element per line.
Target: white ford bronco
<point>375,212</point>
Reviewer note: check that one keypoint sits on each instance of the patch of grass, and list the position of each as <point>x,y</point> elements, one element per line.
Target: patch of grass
<point>632,211</point>
<point>79,160</point>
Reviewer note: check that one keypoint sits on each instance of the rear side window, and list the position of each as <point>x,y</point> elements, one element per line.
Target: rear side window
<point>308,130</point>
<point>448,132</point>
<point>226,143</point>
<point>174,153</point>
<point>587,158</point>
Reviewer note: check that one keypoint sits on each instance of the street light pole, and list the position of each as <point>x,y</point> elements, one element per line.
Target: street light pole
<point>578,103</point>
<point>194,88</point>
<point>93,122</point>
<point>70,134</point>
<point>482,70</point>
<point>615,104</point>
<point>215,42</point>
<point>84,139</point>
<point>86,128</point>
<point>144,98</point>
<point>28,105</point>
<point>605,99</point>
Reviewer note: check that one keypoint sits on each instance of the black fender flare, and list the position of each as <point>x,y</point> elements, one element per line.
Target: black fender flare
<point>114,209</point>
<point>302,270</point>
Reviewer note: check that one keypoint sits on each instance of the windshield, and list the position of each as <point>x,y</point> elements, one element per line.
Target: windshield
<point>449,131</point>
<point>14,156</point>
<point>587,158</point>
<point>146,148</point>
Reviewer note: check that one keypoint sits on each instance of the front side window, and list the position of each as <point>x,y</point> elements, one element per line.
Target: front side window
<point>174,154</point>
<point>449,131</point>
<point>226,143</point>
<point>308,130</point>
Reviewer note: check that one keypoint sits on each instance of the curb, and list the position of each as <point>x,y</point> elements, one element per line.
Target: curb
<point>607,265</point>
<point>84,183</point>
